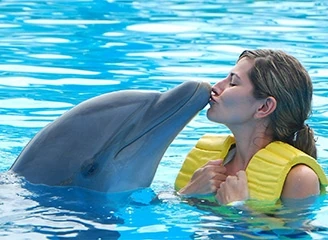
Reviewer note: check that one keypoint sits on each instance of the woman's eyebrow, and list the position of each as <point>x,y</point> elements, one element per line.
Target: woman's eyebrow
<point>234,74</point>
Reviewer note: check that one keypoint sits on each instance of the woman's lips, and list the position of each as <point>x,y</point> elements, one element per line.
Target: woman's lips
<point>212,97</point>
<point>212,101</point>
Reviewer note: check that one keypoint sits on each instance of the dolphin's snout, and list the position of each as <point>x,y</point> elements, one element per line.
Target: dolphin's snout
<point>203,93</point>
<point>207,88</point>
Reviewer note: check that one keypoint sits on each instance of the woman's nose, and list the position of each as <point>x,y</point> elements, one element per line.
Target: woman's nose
<point>219,87</point>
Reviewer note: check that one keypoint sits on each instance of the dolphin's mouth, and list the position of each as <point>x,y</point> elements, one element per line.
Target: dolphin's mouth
<point>178,107</point>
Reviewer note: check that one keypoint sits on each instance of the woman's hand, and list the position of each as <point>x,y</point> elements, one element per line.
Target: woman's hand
<point>206,179</point>
<point>234,188</point>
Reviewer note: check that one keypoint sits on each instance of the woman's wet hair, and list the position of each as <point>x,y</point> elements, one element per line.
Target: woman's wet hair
<point>280,75</point>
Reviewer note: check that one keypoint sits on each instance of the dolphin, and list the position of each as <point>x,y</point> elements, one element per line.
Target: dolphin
<point>113,142</point>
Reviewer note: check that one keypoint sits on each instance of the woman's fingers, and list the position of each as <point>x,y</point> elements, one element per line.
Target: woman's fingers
<point>206,179</point>
<point>234,188</point>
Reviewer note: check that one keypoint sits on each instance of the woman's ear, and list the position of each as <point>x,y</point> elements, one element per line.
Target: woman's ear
<point>266,108</point>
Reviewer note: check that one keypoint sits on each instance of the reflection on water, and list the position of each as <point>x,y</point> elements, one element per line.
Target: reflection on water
<point>55,54</point>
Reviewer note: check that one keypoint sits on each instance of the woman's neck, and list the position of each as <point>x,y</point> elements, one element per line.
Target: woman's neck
<point>248,143</point>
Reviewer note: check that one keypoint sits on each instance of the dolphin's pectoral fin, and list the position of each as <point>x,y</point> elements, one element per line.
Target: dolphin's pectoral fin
<point>89,168</point>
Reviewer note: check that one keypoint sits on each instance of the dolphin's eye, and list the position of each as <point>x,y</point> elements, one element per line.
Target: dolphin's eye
<point>88,169</point>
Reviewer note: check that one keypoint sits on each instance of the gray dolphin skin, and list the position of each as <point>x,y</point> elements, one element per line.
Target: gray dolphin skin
<point>113,142</point>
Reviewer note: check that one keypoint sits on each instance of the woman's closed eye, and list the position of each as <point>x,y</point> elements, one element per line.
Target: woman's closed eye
<point>233,80</point>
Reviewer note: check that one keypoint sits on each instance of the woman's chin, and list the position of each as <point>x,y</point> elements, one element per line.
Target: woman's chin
<point>210,114</point>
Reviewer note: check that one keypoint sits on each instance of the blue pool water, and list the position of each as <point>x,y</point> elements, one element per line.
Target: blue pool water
<point>55,54</point>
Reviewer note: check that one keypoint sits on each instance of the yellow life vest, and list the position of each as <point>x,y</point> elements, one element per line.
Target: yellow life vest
<point>266,171</point>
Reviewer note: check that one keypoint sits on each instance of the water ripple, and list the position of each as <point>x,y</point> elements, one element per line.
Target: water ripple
<point>69,22</point>
<point>48,70</point>
<point>36,82</point>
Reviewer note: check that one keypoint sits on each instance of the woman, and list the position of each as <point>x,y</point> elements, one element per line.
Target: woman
<point>265,98</point>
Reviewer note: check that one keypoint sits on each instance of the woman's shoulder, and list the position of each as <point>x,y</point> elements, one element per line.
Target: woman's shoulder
<point>301,182</point>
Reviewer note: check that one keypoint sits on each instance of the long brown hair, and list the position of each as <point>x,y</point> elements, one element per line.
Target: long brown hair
<point>282,76</point>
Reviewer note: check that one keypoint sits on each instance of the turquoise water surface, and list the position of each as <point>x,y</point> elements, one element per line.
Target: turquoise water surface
<point>55,54</point>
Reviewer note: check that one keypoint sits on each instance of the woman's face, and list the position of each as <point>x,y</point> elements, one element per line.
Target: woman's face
<point>232,101</point>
